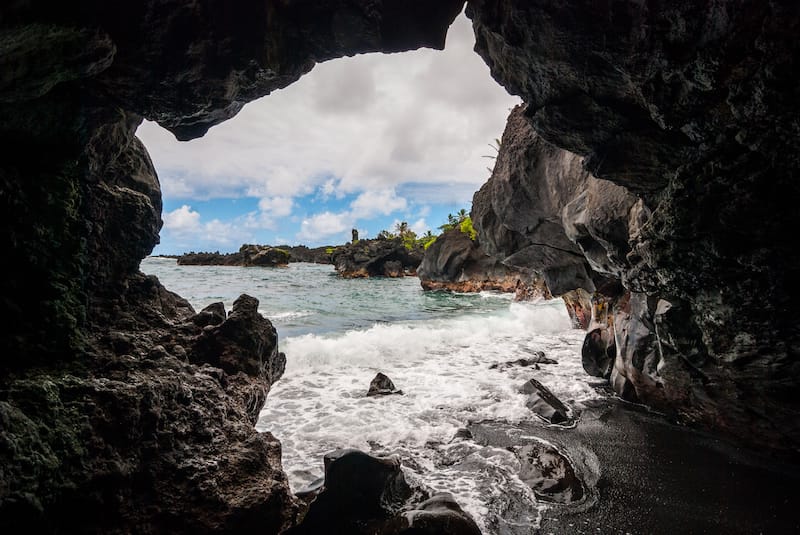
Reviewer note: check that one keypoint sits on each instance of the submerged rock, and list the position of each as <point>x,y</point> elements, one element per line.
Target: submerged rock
<point>381,385</point>
<point>538,358</point>
<point>544,403</point>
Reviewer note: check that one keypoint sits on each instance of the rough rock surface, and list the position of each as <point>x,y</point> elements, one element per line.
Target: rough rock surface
<point>376,258</point>
<point>692,106</point>
<point>457,263</point>
<point>119,411</point>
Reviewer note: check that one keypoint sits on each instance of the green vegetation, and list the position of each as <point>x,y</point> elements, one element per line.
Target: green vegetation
<point>330,250</point>
<point>462,221</point>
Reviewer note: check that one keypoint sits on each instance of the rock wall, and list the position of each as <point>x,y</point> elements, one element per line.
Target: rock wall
<point>120,410</point>
<point>455,262</point>
<point>691,107</point>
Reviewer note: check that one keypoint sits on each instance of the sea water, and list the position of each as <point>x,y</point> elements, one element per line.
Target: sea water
<point>437,347</point>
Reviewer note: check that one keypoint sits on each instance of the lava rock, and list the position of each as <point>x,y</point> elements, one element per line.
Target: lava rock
<point>599,352</point>
<point>361,494</point>
<point>376,258</point>
<point>544,403</point>
<point>538,358</point>
<point>457,263</point>
<point>381,385</point>
<point>439,515</point>
<point>213,314</point>
<point>548,472</point>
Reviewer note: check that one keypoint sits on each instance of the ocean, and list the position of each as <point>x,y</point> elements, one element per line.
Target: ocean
<point>436,346</point>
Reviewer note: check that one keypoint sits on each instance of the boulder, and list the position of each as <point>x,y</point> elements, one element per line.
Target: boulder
<point>548,472</point>
<point>544,403</point>
<point>438,515</point>
<point>598,352</point>
<point>360,494</point>
<point>381,385</point>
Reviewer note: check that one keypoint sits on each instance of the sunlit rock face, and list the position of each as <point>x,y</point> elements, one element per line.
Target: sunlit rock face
<point>692,107</point>
<point>121,412</point>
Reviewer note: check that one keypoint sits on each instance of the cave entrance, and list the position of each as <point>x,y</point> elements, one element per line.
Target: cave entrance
<point>368,143</point>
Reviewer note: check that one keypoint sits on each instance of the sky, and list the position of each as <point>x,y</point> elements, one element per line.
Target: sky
<point>362,142</point>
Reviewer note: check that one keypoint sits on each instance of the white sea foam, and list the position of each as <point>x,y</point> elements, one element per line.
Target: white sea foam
<point>442,365</point>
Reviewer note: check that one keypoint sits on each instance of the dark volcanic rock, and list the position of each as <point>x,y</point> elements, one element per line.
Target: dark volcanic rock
<point>381,385</point>
<point>692,106</point>
<point>439,515</point>
<point>548,472</point>
<point>598,352</point>
<point>457,263</point>
<point>376,258</point>
<point>361,493</point>
<point>248,255</point>
<point>545,403</point>
<point>366,495</point>
<point>538,358</point>
<point>314,255</point>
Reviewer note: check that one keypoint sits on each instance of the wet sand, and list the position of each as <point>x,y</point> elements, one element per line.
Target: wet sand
<point>644,475</point>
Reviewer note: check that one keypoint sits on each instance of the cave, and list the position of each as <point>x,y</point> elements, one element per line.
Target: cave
<point>112,388</point>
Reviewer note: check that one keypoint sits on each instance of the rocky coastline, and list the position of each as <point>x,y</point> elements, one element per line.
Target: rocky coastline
<point>250,255</point>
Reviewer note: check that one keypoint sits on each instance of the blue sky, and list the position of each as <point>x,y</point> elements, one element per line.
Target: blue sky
<point>361,142</point>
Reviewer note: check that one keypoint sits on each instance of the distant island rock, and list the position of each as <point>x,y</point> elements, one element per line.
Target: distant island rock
<point>259,255</point>
<point>455,262</point>
<point>381,257</point>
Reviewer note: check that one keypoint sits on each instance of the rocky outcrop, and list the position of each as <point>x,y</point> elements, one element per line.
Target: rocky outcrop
<point>120,411</point>
<point>247,256</point>
<point>148,419</point>
<point>376,258</point>
<point>364,495</point>
<point>692,108</point>
<point>457,263</point>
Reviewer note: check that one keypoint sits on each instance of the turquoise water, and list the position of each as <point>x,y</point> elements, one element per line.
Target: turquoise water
<point>436,346</point>
<point>311,298</point>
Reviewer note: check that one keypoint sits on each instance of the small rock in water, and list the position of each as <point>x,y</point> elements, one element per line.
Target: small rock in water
<point>381,385</point>
<point>545,403</point>
<point>538,358</point>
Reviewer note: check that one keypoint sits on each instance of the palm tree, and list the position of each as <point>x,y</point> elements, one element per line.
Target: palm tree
<point>462,215</point>
<point>401,229</point>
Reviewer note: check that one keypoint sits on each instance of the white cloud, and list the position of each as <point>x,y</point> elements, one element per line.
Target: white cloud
<point>182,220</point>
<point>420,226</point>
<point>372,203</point>
<point>276,206</point>
<point>185,228</point>
<point>324,225</point>
<point>374,122</point>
